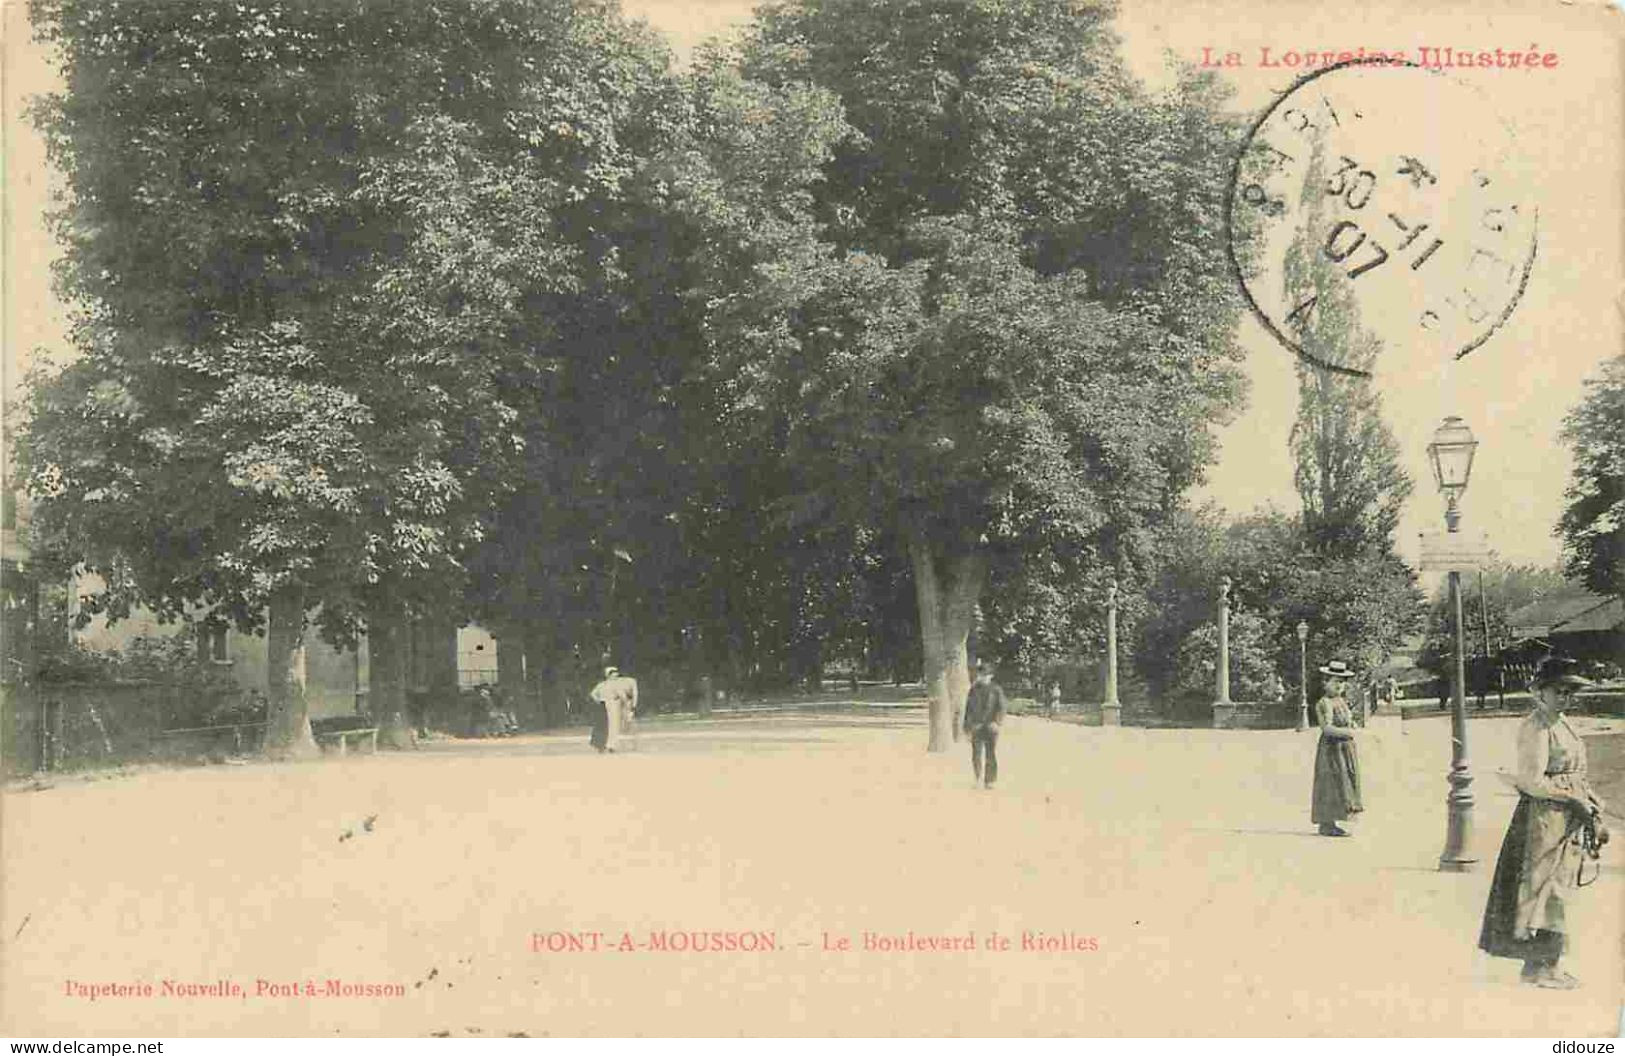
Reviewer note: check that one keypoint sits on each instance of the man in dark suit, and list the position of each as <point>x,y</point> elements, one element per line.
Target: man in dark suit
<point>984,714</point>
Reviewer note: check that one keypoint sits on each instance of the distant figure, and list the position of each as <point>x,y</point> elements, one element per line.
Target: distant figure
<point>504,720</point>
<point>984,714</point>
<point>489,717</point>
<point>616,698</point>
<point>1337,764</point>
<point>417,710</point>
<point>1554,831</point>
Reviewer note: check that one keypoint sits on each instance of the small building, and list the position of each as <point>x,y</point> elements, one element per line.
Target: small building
<point>332,678</point>
<point>1574,622</point>
<point>476,657</point>
<point>19,593</point>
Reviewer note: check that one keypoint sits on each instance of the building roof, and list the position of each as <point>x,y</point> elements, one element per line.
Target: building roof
<point>1570,610</point>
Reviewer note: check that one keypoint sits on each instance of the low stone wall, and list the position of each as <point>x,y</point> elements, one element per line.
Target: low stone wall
<point>1606,702</point>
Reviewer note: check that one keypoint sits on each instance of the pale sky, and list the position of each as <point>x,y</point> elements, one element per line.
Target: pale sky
<point>1567,129</point>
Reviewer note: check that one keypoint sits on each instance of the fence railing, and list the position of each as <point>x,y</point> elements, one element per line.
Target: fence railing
<point>77,725</point>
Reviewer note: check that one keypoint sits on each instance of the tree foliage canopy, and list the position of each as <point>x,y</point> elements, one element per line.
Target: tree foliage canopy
<point>479,307</point>
<point>1012,342</point>
<point>1593,524</point>
<point>306,245</point>
<point>1347,472</point>
<point>1359,609</point>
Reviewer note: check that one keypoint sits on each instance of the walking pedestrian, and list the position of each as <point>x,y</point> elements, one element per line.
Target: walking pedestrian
<point>507,720</point>
<point>984,713</point>
<point>1554,831</point>
<point>616,700</point>
<point>1336,794</point>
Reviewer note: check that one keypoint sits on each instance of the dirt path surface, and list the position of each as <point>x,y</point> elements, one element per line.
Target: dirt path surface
<point>1173,875</point>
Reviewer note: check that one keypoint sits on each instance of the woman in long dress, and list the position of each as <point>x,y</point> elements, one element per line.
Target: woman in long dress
<point>1544,850</point>
<point>617,696</point>
<point>1337,763</point>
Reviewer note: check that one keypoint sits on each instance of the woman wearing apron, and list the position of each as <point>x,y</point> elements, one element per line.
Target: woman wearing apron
<point>1337,763</point>
<point>1548,840</point>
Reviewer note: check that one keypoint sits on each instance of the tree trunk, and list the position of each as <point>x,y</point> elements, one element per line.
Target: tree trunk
<point>959,679</point>
<point>540,680</point>
<point>440,666</point>
<point>388,637</point>
<point>511,673</point>
<point>936,662</point>
<point>287,726</point>
<point>947,588</point>
<point>417,680</point>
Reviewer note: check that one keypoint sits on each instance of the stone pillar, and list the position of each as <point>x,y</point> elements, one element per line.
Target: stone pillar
<point>440,678</point>
<point>541,680</point>
<point>1111,709</point>
<point>1224,712</point>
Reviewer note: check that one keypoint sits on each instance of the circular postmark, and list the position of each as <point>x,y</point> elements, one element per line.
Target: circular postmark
<point>1377,212</point>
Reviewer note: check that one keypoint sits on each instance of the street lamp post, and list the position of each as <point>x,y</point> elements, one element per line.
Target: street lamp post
<point>1303,675</point>
<point>1451,453</point>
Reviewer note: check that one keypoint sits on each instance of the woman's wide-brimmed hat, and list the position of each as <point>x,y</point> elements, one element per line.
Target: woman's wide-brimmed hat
<point>1337,669</point>
<point>1559,671</point>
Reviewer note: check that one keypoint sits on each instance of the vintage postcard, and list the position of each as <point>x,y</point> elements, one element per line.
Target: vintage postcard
<point>669,518</point>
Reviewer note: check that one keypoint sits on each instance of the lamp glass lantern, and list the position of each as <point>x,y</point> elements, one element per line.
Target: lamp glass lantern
<point>1303,630</point>
<point>1451,453</point>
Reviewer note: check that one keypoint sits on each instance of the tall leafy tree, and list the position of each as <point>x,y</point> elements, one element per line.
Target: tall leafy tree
<point>1593,523</point>
<point>295,379</point>
<point>1014,352</point>
<point>527,254</point>
<point>647,527</point>
<point>1348,472</point>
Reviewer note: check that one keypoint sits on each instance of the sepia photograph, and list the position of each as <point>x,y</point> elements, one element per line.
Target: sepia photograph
<point>812,518</point>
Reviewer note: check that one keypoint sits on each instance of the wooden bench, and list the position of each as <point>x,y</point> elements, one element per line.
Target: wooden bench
<point>341,739</point>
